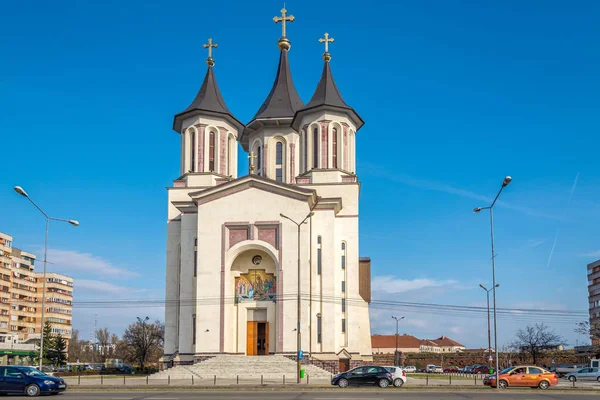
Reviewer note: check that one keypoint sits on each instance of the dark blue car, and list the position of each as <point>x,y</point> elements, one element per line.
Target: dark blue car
<point>29,381</point>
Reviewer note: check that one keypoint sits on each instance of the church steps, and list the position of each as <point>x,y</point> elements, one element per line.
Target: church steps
<point>231,367</point>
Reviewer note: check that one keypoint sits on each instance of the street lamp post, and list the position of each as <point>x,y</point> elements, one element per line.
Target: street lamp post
<point>73,222</point>
<point>299,341</point>
<point>396,360</point>
<point>487,291</point>
<point>505,183</point>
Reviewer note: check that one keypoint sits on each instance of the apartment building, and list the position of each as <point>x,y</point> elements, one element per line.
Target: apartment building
<point>593,271</point>
<point>21,291</point>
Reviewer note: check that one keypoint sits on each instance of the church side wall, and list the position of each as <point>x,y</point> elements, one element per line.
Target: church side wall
<point>186,284</point>
<point>172,287</point>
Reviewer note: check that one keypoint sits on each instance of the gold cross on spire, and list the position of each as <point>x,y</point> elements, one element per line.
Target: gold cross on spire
<point>283,19</point>
<point>326,40</point>
<point>251,156</point>
<point>210,46</point>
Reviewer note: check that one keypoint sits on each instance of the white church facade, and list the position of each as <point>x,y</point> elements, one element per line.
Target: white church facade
<point>232,276</point>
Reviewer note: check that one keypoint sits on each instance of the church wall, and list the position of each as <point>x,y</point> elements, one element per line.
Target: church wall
<point>186,284</point>
<point>262,206</point>
<point>268,136</point>
<point>201,126</point>
<point>329,120</point>
<point>172,287</point>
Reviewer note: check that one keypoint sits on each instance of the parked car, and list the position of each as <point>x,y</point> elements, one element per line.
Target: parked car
<point>362,376</point>
<point>565,369</point>
<point>410,369</point>
<point>126,369</point>
<point>585,374</point>
<point>450,370</point>
<point>482,369</point>
<point>434,369</point>
<point>523,376</point>
<point>29,381</point>
<point>398,376</point>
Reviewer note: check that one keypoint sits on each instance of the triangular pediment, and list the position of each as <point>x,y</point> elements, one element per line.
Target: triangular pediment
<point>344,354</point>
<point>256,182</point>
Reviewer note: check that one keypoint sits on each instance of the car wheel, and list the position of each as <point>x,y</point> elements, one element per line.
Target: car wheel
<point>343,383</point>
<point>598,379</point>
<point>383,383</point>
<point>572,379</point>
<point>544,385</point>
<point>398,382</point>
<point>32,390</point>
<point>503,384</point>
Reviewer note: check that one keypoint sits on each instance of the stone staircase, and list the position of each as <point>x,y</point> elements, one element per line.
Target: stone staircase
<point>245,367</point>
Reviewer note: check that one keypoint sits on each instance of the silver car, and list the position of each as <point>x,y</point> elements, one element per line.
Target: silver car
<point>584,374</point>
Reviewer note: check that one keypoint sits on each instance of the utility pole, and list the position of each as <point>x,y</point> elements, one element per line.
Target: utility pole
<point>396,358</point>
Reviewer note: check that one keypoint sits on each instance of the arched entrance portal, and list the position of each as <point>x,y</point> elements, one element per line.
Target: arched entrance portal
<point>254,283</point>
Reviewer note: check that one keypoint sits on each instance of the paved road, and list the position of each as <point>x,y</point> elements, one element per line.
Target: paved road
<point>384,394</point>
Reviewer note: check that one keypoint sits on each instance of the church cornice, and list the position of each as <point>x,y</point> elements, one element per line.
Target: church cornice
<point>253,181</point>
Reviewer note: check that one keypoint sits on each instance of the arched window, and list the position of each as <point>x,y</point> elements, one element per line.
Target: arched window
<point>334,133</point>
<point>211,151</point>
<point>193,150</point>
<point>343,255</point>
<point>229,157</point>
<point>316,148</point>
<point>279,162</point>
<point>258,161</point>
<point>319,258</point>
<point>305,151</point>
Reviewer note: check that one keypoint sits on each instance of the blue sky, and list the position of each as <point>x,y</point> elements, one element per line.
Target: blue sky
<point>455,96</point>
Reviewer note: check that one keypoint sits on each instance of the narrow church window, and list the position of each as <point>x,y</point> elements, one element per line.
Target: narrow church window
<point>211,152</point>
<point>195,257</point>
<point>193,328</point>
<point>343,255</point>
<point>305,151</point>
<point>334,149</point>
<point>319,328</point>
<point>316,148</point>
<point>343,305</point>
<point>258,162</point>
<point>279,162</point>
<point>228,155</point>
<point>343,286</point>
<point>343,325</point>
<point>193,150</point>
<point>319,255</point>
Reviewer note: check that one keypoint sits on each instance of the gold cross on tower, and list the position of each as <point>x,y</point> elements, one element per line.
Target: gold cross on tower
<point>283,19</point>
<point>251,156</point>
<point>210,46</point>
<point>326,40</point>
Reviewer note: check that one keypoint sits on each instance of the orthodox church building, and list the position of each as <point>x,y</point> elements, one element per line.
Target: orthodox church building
<point>267,263</point>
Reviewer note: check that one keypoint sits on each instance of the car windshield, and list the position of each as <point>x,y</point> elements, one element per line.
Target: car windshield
<point>32,372</point>
<point>506,370</point>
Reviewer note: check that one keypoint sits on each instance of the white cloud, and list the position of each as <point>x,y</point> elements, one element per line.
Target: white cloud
<point>534,243</point>
<point>456,330</point>
<point>103,287</point>
<point>592,254</point>
<point>389,284</point>
<point>86,263</point>
<point>416,322</point>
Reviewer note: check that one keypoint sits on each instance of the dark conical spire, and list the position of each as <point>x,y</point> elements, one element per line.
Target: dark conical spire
<point>283,100</point>
<point>327,96</point>
<point>327,92</point>
<point>209,101</point>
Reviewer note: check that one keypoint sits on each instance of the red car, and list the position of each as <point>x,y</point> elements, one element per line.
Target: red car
<point>482,369</point>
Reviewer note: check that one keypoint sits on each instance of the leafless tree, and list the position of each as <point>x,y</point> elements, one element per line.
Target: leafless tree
<point>75,350</point>
<point>534,339</point>
<point>592,331</point>
<point>103,339</point>
<point>144,340</point>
